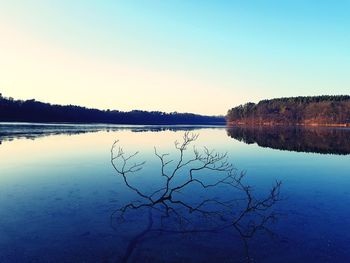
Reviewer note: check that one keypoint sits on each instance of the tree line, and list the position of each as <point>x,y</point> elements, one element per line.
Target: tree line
<point>35,111</point>
<point>316,110</point>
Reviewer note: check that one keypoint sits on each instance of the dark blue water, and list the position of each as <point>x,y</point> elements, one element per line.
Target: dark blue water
<point>59,196</point>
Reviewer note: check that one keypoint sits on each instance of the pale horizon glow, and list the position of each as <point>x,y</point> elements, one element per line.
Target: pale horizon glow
<point>187,56</point>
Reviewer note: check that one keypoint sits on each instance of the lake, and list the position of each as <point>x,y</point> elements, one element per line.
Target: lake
<point>61,199</point>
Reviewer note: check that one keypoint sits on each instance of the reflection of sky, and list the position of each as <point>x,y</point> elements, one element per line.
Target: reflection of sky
<point>63,186</point>
<point>95,147</point>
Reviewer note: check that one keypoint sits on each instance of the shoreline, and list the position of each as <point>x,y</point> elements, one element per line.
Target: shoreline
<point>109,123</point>
<point>268,124</point>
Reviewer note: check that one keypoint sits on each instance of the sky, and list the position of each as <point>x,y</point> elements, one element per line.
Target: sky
<point>200,56</point>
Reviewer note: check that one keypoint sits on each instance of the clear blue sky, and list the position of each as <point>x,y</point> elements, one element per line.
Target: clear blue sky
<point>181,55</point>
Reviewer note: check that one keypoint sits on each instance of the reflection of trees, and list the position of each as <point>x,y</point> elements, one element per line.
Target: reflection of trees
<point>36,135</point>
<point>155,128</point>
<point>9,132</point>
<point>197,193</point>
<point>295,138</point>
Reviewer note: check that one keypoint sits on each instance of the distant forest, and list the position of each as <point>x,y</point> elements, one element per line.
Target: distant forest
<point>12,110</point>
<point>318,110</point>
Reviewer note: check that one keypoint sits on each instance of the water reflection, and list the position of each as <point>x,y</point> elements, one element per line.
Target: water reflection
<point>11,131</point>
<point>293,138</point>
<point>196,193</point>
<point>57,195</point>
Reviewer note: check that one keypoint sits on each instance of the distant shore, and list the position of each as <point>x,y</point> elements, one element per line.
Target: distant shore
<point>333,111</point>
<point>12,110</point>
<point>112,123</point>
<point>231,124</point>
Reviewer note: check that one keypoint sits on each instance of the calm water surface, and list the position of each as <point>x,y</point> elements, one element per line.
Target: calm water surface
<point>59,195</point>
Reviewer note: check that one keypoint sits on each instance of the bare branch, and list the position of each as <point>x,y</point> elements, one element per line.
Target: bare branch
<point>203,165</point>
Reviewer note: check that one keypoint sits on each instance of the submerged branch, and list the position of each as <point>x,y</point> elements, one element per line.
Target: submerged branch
<point>207,169</point>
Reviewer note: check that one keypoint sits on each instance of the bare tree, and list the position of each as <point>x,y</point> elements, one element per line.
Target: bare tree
<point>173,205</point>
